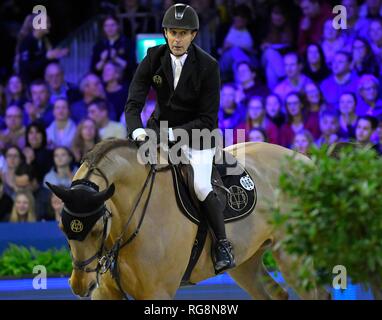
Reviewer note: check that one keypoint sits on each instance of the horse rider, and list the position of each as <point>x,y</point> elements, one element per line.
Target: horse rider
<point>187,84</point>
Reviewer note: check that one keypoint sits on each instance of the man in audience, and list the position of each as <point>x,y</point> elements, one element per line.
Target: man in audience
<point>58,87</point>
<point>98,111</point>
<point>364,129</point>
<point>329,126</point>
<point>40,100</point>
<point>369,103</point>
<point>295,80</point>
<point>342,79</point>
<point>14,134</point>
<point>25,179</point>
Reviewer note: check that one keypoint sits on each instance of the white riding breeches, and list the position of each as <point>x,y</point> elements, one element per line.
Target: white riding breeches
<point>201,162</point>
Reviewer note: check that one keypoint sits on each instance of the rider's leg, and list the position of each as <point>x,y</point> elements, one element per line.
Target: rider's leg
<point>201,162</point>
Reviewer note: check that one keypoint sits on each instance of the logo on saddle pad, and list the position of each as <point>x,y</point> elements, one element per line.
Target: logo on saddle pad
<point>76,226</point>
<point>237,198</point>
<point>247,183</point>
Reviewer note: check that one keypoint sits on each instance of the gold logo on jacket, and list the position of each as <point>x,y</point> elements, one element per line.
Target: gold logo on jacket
<point>157,80</point>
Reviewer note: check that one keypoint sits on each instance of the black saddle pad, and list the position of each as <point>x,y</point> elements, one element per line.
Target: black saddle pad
<point>240,193</point>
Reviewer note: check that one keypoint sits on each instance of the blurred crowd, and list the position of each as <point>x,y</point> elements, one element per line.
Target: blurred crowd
<point>289,77</point>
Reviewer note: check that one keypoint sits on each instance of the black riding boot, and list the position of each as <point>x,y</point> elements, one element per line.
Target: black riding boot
<point>223,254</point>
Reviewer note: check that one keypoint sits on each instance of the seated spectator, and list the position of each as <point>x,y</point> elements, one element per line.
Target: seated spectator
<point>34,50</point>
<point>238,43</point>
<point>56,206</point>
<point>364,61</point>
<point>364,129</point>
<point>332,41</point>
<point>13,157</point>
<point>42,109</point>
<point>369,102</point>
<point>23,208</point>
<point>15,92</point>
<point>297,119</point>
<point>256,119</point>
<point>273,108</point>
<point>14,134</point>
<point>342,79</point>
<point>315,66</point>
<point>375,37</point>
<point>114,46</point>
<point>278,37</point>
<point>348,118</point>
<point>314,15</point>
<point>378,146</point>
<point>303,141</point>
<point>329,128</point>
<point>85,138</point>
<point>63,168</point>
<point>62,130</point>
<point>58,87</point>
<point>26,181</point>
<point>257,135</point>
<point>36,151</point>
<point>91,88</point>
<point>248,86</point>
<point>6,204</point>
<point>98,111</point>
<point>116,93</point>
<point>295,80</point>
<point>355,24</point>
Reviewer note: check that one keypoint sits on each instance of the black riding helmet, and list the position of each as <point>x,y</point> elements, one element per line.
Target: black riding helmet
<point>181,16</point>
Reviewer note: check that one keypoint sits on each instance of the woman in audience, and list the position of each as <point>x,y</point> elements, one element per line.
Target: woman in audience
<point>332,41</point>
<point>85,138</point>
<point>273,108</point>
<point>56,206</point>
<point>303,141</point>
<point>348,117</point>
<point>315,66</point>
<point>36,151</point>
<point>13,157</point>
<point>257,135</point>
<point>23,208</point>
<point>364,61</point>
<point>63,169</point>
<point>15,91</point>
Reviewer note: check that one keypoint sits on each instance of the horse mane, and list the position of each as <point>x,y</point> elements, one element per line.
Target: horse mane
<point>102,148</point>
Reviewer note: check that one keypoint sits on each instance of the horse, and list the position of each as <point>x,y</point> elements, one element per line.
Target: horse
<point>158,238</point>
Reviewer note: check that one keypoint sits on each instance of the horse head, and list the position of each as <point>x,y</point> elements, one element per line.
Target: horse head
<point>85,223</point>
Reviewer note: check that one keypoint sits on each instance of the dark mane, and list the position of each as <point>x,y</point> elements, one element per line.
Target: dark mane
<point>102,148</point>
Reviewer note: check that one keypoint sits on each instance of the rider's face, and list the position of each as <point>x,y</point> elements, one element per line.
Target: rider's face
<point>179,40</point>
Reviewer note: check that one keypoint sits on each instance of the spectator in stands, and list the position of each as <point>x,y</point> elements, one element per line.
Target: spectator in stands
<point>116,93</point>
<point>231,111</point>
<point>364,61</point>
<point>136,24</point>
<point>314,98</point>
<point>13,157</point>
<point>14,134</point>
<point>15,91</point>
<point>91,88</point>
<point>36,151</point>
<point>6,204</point>
<point>378,145</point>
<point>248,85</point>
<point>257,135</point>
<point>342,79</point>
<point>43,110</point>
<point>375,37</point>
<point>58,87</point>
<point>23,208</point>
<point>273,108</point>
<point>364,129</point>
<point>256,119</point>
<point>295,80</point>
<point>277,39</point>
<point>303,141</point>
<point>314,15</point>
<point>56,206</point>
<point>85,138</point>
<point>297,119</point>
<point>34,50</point>
<point>26,181</point>
<point>348,117</point>
<point>62,130</point>
<point>63,168</point>
<point>315,66</point>
<point>329,128</point>
<point>369,102</point>
<point>98,112</point>
<point>355,24</point>
<point>113,47</point>
<point>332,41</point>
<point>238,43</point>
